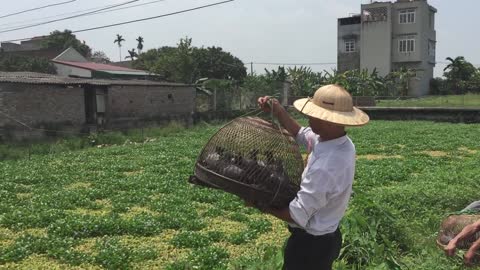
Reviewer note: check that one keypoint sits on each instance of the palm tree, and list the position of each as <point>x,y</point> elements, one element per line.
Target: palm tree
<point>119,40</point>
<point>132,54</point>
<point>140,44</point>
<point>458,70</point>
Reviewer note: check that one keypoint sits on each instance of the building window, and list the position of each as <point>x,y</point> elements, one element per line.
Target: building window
<point>406,45</point>
<point>431,48</point>
<point>407,16</point>
<point>349,45</point>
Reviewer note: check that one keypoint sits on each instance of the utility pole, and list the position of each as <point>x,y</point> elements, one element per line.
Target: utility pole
<point>251,68</point>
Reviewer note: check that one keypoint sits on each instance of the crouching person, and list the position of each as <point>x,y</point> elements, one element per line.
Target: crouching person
<point>467,222</point>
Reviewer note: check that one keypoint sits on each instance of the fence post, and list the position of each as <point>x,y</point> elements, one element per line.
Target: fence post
<point>215,99</point>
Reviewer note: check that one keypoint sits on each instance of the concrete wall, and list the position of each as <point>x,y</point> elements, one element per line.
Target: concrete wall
<point>40,106</point>
<point>10,46</point>
<point>32,44</point>
<point>423,31</point>
<point>71,55</point>
<point>376,40</point>
<point>348,60</point>
<point>64,70</point>
<point>455,115</point>
<point>157,103</point>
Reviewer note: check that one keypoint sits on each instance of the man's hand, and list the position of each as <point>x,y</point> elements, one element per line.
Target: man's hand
<point>472,253</point>
<point>468,231</point>
<point>266,103</point>
<point>249,204</point>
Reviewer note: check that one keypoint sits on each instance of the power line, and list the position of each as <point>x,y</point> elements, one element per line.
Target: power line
<point>154,17</point>
<point>138,5</point>
<point>139,20</point>
<point>20,23</point>
<point>33,9</point>
<point>67,18</point>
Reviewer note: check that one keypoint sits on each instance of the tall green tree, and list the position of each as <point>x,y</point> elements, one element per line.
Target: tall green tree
<point>186,63</point>
<point>119,41</point>
<point>178,64</point>
<point>140,44</point>
<point>214,62</point>
<point>458,72</point>
<point>304,80</point>
<point>63,40</point>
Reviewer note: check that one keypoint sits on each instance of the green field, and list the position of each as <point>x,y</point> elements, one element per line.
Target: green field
<point>129,206</point>
<point>467,101</point>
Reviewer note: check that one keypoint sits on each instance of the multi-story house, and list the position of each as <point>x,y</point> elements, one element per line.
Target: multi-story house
<point>387,36</point>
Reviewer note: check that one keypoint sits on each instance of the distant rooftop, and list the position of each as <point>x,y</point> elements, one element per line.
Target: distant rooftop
<point>49,79</point>
<point>356,19</point>
<point>103,67</point>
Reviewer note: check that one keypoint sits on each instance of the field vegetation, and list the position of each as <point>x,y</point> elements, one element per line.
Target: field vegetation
<point>121,201</point>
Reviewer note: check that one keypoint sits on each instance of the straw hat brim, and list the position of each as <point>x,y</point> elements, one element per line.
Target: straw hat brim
<point>353,118</point>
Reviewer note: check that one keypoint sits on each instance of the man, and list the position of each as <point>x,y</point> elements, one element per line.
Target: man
<point>314,215</point>
<point>466,233</point>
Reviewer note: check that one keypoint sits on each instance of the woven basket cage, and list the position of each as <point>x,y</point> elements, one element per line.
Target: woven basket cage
<point>253,159</point>
<point>452,226</point>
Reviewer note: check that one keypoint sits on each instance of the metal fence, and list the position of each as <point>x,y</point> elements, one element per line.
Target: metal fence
<point>244,101</point>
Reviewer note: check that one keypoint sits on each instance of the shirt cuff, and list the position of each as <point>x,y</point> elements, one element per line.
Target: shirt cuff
<point>300,138</point>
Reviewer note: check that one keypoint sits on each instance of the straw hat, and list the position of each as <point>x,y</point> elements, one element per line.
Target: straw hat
<point>332,103</point>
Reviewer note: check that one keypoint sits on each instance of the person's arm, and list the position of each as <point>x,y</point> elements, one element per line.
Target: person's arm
<point>283,214</point>
<point>280,113</point>
<point>472,251</point>
<point>469,230</point>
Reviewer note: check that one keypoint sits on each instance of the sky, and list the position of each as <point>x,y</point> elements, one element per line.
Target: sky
<point>259,31</point>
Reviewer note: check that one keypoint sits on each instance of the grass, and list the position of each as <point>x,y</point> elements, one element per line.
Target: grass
<point>467,101</point>
<point>129,206</point>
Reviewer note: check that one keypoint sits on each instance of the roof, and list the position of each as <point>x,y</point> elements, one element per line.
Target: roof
<point>49,79</point>
<point>102,67</point>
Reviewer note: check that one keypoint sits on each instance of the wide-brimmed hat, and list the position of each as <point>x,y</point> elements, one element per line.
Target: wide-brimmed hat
<point>332,103</point>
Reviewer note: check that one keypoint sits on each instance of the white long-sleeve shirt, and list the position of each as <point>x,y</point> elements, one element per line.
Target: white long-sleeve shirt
<point>326,183</point>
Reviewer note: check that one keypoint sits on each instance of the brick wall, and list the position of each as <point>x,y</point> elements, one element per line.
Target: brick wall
<point>149,102</point>
<point>41,105</point>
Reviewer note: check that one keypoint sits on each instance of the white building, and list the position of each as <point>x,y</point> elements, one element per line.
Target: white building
<point>387,36</point>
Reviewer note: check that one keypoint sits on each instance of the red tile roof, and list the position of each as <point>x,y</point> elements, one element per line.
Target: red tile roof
<point>96,66</point>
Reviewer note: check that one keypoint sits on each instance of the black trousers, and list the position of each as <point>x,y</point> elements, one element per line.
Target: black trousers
<point>308,252</point>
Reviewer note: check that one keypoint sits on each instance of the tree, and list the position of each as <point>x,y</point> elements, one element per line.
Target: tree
<point>119,41</point>
<point>63,40</point>
<point>140,44</point>
<point>304,80</point>
<point>186,63</point>
<point>214,62</point>
<point>148,59</point>
<point>100,57</point>
<point>132,54</point>
<point>358,82</point>
<point>403,76</point>
<point>279,75</point>
<point>179,66</point>
<point>458,71</point>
